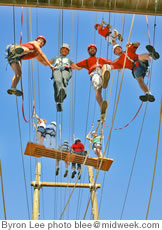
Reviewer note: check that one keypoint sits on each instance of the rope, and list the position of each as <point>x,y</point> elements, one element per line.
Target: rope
<point>4,208</point>
<point>153,178</point>
<point>21,77</point>
<point>22,158</point>
<point>116,106</point>
<point>129,121</point>
<point>20,129</point>
<point>137,144</point>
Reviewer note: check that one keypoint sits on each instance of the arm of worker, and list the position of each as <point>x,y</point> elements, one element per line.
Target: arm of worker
<point>41,56</point>
<point>103,22</point>
<point>74,66</point>
<point>88,136</point>
<point>135,44</point>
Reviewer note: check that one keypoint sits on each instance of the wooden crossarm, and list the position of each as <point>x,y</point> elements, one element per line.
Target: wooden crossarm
<point>36,150</point>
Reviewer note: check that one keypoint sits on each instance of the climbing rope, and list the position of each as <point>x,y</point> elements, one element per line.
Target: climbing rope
<point>135,155</point>
<point>4,208</point>
<point>157,148</point>
<point>97,173</point>
<point>20,128</point>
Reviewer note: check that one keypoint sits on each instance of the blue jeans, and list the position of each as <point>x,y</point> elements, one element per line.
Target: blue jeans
<point>141,70</point>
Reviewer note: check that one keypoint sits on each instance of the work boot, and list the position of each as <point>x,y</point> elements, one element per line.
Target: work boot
<point>103,107</point>
<point>152,52</point>
<point>147,97</point>
<point>105,76</point>
<point>103,110</point>
<point>14,91</point>
<point>59,107</point>
<point>73,174</point>
<point>57,171</point>
<point>66,173</point>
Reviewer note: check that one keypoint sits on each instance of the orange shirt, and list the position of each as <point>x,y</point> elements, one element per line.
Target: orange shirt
<point>91,63</point>
<point>29,55</point>
<point>131,53</point>
<point>104,31</point>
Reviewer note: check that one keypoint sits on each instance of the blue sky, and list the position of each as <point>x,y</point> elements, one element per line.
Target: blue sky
<point>79,32</point>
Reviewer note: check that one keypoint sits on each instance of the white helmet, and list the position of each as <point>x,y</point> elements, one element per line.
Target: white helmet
<point>94,132</point>
<point>53,123</point>
<point>65,45</point>
<point>115,46</point>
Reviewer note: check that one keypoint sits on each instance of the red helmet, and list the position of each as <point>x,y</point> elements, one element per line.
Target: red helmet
<point>92,45</point>
<point>95,26</point>
<point>40,36</point>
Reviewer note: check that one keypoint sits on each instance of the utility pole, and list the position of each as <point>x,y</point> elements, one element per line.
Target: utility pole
<point>93,194</point>
<point>36,192</point>
<point>37,184</point>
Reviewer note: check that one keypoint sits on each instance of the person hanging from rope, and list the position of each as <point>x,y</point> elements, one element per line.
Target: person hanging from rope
<point>66,148</point>
<point>98,73</point>
<point>17,53</point>
<point>40,128</point>
<point>51,135</point>
<point>138,63</point>
<point>96,142</point>
<point>61,75</point>
<point>77,148</point>
<point>111,35</point>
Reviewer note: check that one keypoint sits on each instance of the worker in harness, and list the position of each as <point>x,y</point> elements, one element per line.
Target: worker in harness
<point>96,142</point>
<point>77,148</point>
<point>111,35</point>
<point>138,63</point>
<point>16,53</point>
<point>98,74</point>
<point>40,128</point>
<point>65,147</point>
<point>61,75</point>
<point>51,135</point>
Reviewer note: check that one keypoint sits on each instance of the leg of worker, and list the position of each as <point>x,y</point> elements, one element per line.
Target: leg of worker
<point>99,96</point>
<point>57,84</point>
<point>73,168</point>
<point>142,84</point>
<point>53,142</point>
<point>57,167</point>
<point>79,169</point>
<point>17,70</point>
<point>48,141</point>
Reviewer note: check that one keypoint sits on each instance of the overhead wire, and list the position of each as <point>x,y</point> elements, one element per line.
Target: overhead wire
<point>29,99</point>
<point>4,207</point>
<point>22,158</point>
<point>117,83</point>
<point>39,112</point>
<point>97,173</point>
<point>135,155</point>
<point>155,164</point>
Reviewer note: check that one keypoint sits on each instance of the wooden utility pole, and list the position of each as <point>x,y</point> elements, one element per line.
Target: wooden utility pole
<point>37,184</point>
<point>36,192</point>
<point>93,194</point>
